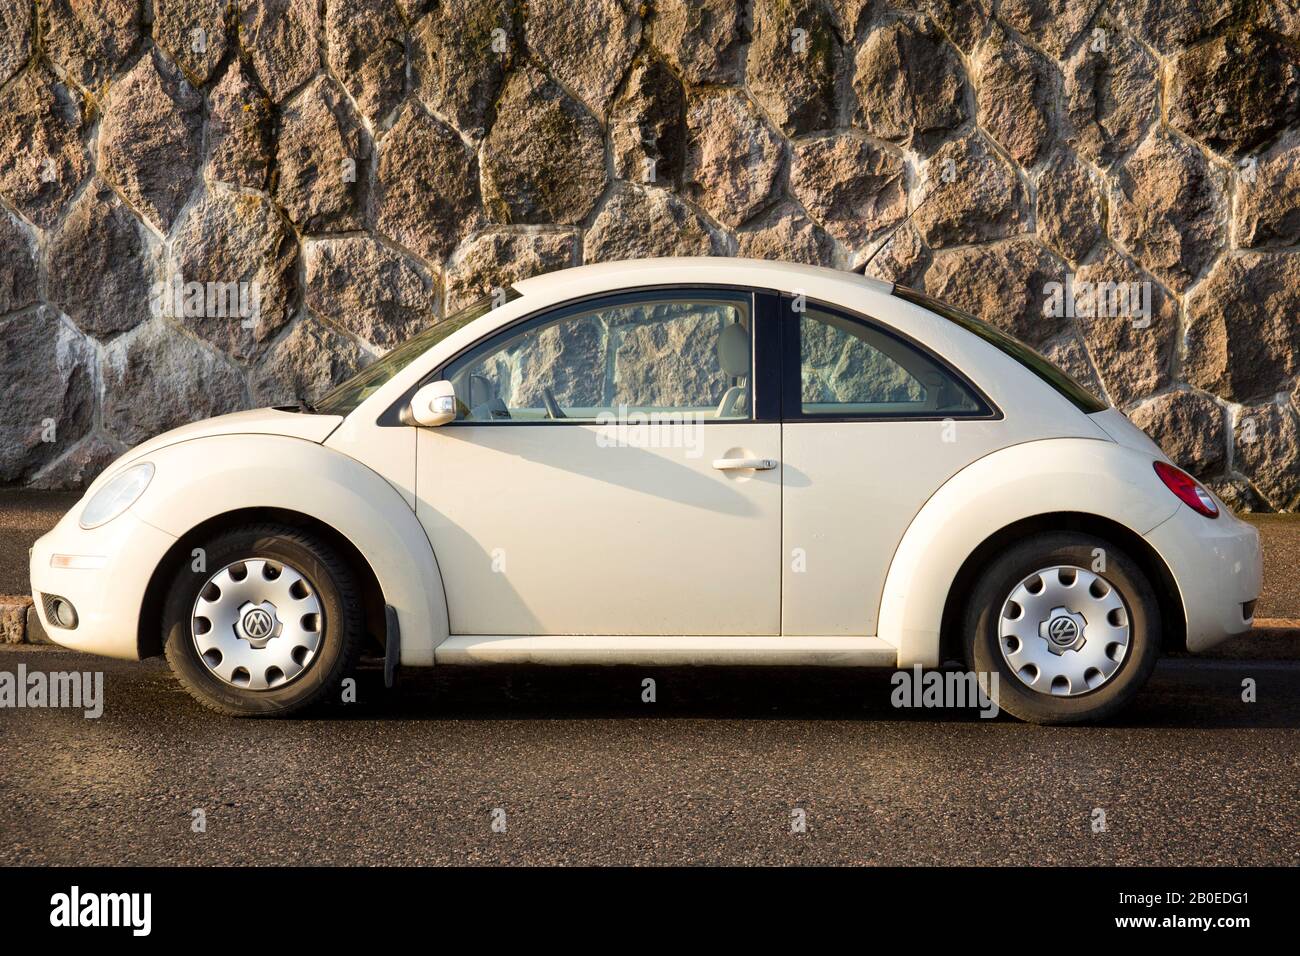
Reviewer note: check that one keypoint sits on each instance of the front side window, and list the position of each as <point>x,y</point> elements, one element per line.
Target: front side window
<point>848,368</point>
<point>668,355</point>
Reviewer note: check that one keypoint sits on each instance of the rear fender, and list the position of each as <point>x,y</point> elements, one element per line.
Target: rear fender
<point>1024,481</point>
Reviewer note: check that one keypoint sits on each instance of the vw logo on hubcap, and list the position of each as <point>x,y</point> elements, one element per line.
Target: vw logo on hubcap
<point>258,623</point>
<point>1063,631</point>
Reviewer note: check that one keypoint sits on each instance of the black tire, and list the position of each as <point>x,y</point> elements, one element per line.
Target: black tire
<point>342,626</point>
<point>994,588</point>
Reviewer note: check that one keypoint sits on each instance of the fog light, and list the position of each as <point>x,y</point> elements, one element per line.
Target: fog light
<point>59,611</point>
<point>65,614</point>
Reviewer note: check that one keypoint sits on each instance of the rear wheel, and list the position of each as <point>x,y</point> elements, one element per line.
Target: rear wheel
<point>1069,623</point>
<point>270,625</point>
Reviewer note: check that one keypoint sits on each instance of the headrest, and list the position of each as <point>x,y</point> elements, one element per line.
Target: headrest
<point>733,350</point>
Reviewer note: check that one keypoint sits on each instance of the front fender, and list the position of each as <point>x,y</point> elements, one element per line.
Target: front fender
<point>206,477</point>
<point>1035,478</point>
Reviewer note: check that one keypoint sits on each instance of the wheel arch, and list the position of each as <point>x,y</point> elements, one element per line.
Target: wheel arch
<point>149,636</point>
<point>1173,617</point>
<point>206,484</point>
<point>1096,483</point>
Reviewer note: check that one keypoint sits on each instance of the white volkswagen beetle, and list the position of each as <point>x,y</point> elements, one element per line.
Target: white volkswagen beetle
<point>674,461</point>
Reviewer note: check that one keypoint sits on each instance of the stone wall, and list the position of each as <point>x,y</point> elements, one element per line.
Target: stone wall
<point>211,204</point>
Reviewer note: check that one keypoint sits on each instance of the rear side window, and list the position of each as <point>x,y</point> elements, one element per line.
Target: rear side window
<point>1078,394</point>
<point>852,370</point>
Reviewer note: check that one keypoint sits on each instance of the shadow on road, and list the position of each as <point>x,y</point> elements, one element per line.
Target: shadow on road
<point>1182,693</point>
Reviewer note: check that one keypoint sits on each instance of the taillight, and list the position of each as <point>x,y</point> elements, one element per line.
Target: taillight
<point>1188,489</point>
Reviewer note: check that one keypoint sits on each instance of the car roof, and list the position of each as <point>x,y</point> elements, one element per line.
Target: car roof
<point>631,273</point>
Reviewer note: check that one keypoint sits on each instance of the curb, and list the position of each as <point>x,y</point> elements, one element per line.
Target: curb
<point>1276,624</point>
<point>19,622</point>
<point>35,629</point>
<point>1273,638</point>
<point>13,618</point>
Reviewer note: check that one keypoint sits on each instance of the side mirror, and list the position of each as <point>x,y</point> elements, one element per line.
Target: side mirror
<point>434,404</point>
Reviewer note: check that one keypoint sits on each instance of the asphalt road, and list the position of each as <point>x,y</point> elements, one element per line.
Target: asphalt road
<point>588,773</point>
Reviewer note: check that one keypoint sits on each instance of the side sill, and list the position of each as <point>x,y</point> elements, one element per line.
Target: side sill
<point>587,649</point>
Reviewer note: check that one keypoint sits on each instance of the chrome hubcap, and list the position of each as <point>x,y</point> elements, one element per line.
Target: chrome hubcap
<point>257,624</point>
<point>1064,631</point>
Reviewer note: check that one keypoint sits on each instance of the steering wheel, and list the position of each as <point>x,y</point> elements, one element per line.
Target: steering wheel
<point>553,409</point>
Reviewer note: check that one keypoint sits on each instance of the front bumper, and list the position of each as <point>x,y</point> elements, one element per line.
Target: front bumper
<point>107,599</point>
<point>1218,568</point>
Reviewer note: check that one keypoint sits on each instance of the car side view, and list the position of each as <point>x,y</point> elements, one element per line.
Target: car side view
<point>662,462</point>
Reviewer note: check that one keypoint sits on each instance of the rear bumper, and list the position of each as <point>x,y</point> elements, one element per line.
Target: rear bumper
<point>1218,568</point>
<point>108,598</point>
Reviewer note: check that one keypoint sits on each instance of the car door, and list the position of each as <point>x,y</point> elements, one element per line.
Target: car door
<point>875,423</point>
<point>608,473</point>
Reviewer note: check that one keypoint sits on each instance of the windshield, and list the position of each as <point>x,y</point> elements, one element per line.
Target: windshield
<point>343,399</point>
<point>1078,394</point>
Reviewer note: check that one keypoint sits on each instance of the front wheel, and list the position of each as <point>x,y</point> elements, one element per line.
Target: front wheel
<point>269,626</point>
<point>1069,623</point>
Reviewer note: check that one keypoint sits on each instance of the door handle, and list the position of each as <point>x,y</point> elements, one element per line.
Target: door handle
<point>735,464</point>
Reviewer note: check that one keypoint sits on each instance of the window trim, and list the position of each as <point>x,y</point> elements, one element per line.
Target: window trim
<point>792,369</point>
<point>560,310</point>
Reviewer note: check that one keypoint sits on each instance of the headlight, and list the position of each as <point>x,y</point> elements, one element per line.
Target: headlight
<point>116,496</point>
